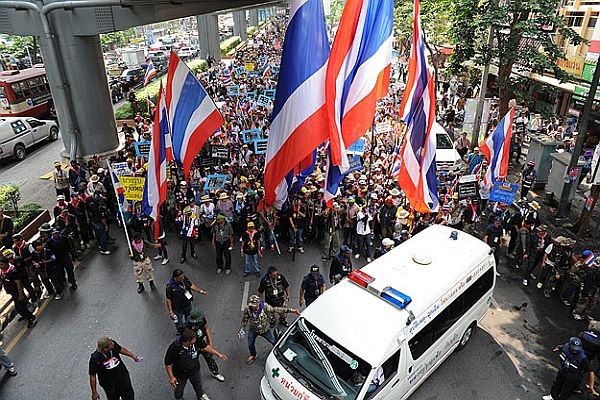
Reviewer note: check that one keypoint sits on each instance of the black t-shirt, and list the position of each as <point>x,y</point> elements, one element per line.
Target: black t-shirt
<point>250,242</point>
<point>180,294</point>
<point>184,361</point>
<point>109,367</point>
<point>312,286</point>
<point>494,234</point>
<point>201,337</point>
<point>274,289</point>
<point>9,282</point>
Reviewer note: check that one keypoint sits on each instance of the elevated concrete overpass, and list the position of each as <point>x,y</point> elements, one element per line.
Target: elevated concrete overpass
<point>69,39</point>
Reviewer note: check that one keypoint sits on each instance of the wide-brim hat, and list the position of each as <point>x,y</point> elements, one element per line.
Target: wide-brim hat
<point>223,196</point>
<point>205,198</point>
<point>395,192</point>
<point>95,178</point>
<point>564,241</point>
<point>534,204</point>
<point>402,213</point>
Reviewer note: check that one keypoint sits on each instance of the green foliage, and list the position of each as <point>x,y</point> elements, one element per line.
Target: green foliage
<point>251,30</point>
<point>229,44</point>
<point>517,38</point>
<point>27,214</point>
<point>113,40</point>
<point>9,198</point>
<point>19,45</point>
<point>435,21</point>
<point>125,111</point>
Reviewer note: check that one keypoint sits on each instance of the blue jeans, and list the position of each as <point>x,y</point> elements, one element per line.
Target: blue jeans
<point>364,245</point>
<point>269,335</point>
<point>101,234</point>
<point>298,239</point>
<point>251,259</point>
<point>7,363</point>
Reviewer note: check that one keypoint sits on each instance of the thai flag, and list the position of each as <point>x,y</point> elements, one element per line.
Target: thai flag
<point>155,185</point>
<point>193,115</point>
<point>226,80</point>
<point>496,148</point>
<point>119,190</point>
<point>299,115</point>
<point>417,176</point>
<point>333,178</point>
<point>358,72</point>
<point>150,102</point>
<point>589,260</point>
<point>266,69</point>
<point>150,73</point>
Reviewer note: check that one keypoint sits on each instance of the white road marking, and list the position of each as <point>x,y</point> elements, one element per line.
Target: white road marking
<point>495,304</point>
<point>245,296</point>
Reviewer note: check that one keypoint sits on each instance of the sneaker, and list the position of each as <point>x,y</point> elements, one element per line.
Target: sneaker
<point>566,303</point>
<point>577,317</point>
<point>227,271</point>
<point>357,256</point>
<point>157,257</point>
<point>182,260</point>
<point>219,270</point>
<point>525,282</point>
<point>539,285</point>
<point>165,261</point>
<point>219,377</point>
<point>301,250</point>
<point>547,397</point>
<point>58,296</point>
<point>73,287</point>
<point>290,249</point>
<point>105,252</point>
<point>369,259</point>
<point>12,371</point>
<point>205,397</point>
<point>31,323</point>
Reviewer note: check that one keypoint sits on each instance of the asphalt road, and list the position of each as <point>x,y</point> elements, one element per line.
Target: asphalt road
<point>54,355</point>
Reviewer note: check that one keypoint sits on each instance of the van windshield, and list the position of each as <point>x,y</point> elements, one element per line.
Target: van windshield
<point>443,141</point>
<point>324,366</point>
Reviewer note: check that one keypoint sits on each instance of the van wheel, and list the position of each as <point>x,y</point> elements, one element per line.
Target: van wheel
<point>466,337</point>
<point>53,133</point>
<point>20,152</point>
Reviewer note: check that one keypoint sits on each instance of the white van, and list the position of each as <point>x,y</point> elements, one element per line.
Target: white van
<point>446,156</point>
<point>17,134</point>
<point>380,333</point>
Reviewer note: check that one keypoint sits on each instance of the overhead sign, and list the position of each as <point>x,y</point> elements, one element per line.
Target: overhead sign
<point>504,192</point>
<point>220,152</point>
<point>133,187</point>
<point>142,149</point>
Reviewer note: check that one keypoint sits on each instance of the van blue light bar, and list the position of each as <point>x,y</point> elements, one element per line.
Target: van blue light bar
<point>395,297</point>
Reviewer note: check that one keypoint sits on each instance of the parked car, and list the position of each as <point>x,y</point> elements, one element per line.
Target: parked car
<point>132,77</point>
<point>187,52</point>
<point>17,134</point>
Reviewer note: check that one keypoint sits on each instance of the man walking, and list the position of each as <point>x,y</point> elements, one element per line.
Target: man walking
<point>179,298</point>
<point>108,369</point>
<point>276,290</point>
<point>573,367</point>
<point>222,241</point>
<point>10,280</point>
<point>313,285</point>
<point>251,250</point>
<point>197,322</point>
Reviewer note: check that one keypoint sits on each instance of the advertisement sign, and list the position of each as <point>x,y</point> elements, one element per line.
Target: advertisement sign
<point>572,65</point>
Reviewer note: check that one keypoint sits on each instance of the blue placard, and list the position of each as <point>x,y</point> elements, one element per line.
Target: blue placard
<point>270,93</point>
<point>357,147</point>
<point>233,90</point>
<point>251,96</point>
<point>142,149</point>
<point>275,69</point>
<point>260,146</point>
<point>262,59</point>
<point>250,135</point>
<point>215,181</point>
<point>355,164</point>
<point>253,74</point>
<point>263,101</point>
<point>504,192</point>
<point>240,70</point>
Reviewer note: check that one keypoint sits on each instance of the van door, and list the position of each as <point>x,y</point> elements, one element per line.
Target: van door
<point>38,128</point>
<point>385,381</point>
<point>22,133</point>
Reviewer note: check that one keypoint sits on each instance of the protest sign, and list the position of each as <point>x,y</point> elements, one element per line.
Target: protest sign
<point>233,90</point>
<point>253,74</point>
<point>383,127</point>
<point>133,187</point>
<point>275,69</point>
<point>270,93</point>
<point>249,66</point>
<point>215,181</point>
<point>121,169</point>
<point>263,101</point>
<point>206,162</point>
<point>504,192</point>
<point>357,148</point>
<point>142,149</point>
<point>240,71</point>
<point>355,164</point>
<point>251,96</point>
<point>467,187</point>
<point>220,152</point>
<point>260,146</point>
<point>250,135</point>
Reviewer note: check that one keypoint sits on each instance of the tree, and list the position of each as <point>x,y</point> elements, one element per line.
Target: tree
<point>117,39</point>
<point>522,33</point>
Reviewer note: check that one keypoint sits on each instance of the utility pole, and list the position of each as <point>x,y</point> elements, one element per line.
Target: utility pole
<point>588,209</point>
<point>482,92</point>
<point>582,129</point>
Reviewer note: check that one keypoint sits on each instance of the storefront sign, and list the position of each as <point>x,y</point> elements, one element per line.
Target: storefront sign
<point>572,65</point>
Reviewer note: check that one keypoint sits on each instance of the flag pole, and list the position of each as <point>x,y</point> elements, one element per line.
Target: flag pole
<point>111,172</point>
<point>373,141</point>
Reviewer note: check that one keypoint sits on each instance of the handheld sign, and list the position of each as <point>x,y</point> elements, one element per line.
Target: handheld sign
<point>250,135</point>
<point>357,148</point>
<point>233,90</point>
<point>220,152</point>
<point>121,169</point>
<point>216,181</point>
<point>383,127</point>
<point>355,164</point>
<point>270,93</point>
<point>263,101</point>
<point>504,192</point>
<point>251,96</point>
<point>133,187</point>
<point>142,149</point>
<point>249,66</point>
<point>467,187</point>
<point>240,71</point>
<point>260,146</point>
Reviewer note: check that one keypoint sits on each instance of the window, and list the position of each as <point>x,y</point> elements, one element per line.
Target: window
<point>385,373</point>
<point>443,142</point>
<point>35,123</point>
<point>16,88</point>
<point>435,329</point>
<point>18,127</point>
<point>575,18</point>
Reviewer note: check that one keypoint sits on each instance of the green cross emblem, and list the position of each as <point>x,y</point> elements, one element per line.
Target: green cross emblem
<point>275,372</point>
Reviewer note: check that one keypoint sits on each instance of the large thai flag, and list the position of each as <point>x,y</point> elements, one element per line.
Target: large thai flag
<point>358,72</point>
<point>496,148</point>
<point>193,116</point>
<point>417,176</point>
<point>150,73</point>
<point>155,185</point>
<point>299,115</point>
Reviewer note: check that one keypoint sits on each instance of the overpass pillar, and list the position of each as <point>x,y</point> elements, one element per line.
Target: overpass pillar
<point>239,24</point>
<point>86,81</point>
<point>208,36</point>
<point>253,17</point>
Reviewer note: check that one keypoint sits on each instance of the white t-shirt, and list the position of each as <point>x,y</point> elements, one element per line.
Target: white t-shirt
<point>548,251</point>
<point>363,228</point>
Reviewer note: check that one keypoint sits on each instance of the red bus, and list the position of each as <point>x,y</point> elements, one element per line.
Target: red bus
<point>25,93</point>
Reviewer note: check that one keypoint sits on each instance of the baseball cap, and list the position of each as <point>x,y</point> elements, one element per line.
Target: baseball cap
<point>575,345</point>
<point>314,268</point>
<point>345,249</point>
<point>196,316</point>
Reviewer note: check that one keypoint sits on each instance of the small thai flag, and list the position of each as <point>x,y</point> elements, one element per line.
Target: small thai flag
<point>589,260</point>
<point>150,102</point>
